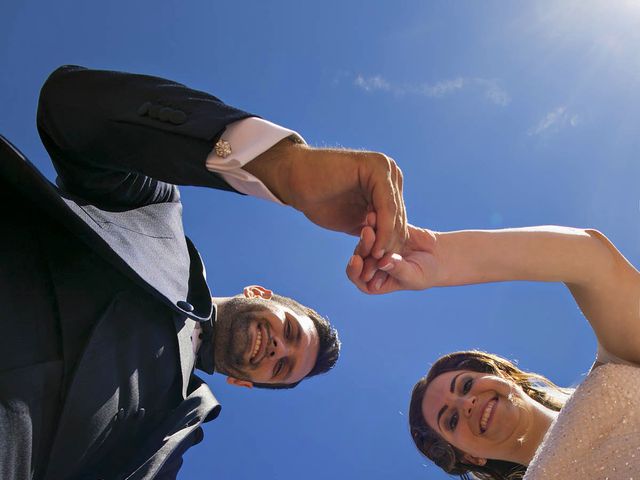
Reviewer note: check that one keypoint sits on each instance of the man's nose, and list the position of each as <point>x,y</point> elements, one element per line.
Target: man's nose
<point>276,348</point>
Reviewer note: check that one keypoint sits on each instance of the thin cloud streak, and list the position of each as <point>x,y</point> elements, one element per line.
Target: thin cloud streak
<point>490,87</point>
<point>554,121</point>
<point>372,83</point>
<point>495,93</point>
<point>441,88</point>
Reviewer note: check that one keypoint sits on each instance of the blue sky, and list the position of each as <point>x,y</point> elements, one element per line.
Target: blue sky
<point>499,113</point>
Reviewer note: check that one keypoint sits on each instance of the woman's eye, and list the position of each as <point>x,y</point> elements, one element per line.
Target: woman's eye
<point>466,388</point>
<point>278,368</point>
<point>453,421</point>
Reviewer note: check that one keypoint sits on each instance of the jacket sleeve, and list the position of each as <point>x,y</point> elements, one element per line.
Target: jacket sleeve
<point>122,140</point>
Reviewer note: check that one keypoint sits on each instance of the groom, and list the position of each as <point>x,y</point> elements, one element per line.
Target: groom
<point>106,309</point>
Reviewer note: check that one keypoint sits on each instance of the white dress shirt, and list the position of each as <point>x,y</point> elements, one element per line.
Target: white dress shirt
<point>248,138</point>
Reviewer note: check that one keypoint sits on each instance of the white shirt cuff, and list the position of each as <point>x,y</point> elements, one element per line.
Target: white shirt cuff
<point>248,138</point>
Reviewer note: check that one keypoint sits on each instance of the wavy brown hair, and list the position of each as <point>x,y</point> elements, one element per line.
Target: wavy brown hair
<point>448,457</point>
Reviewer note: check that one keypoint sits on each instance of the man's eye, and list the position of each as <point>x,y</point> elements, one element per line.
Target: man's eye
<point>453,421</point>
<point>287,329</point>
<point>466,388</point>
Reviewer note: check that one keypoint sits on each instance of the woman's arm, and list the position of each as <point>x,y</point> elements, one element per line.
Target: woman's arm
<point>547,254</point>
<point>604,284</point>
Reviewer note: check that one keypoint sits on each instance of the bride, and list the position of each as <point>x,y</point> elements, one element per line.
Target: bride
<point>478,413</point>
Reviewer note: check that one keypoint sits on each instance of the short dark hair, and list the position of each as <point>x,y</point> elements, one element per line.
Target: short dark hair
<point>328,342</point>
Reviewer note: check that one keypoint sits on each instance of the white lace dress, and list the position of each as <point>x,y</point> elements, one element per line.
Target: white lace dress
<point>597,433</point>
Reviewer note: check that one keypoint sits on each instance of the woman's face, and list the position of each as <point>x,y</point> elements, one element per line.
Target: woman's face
<point>483,415</point>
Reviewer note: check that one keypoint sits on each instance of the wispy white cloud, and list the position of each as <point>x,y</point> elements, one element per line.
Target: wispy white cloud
<point>372,83</point>
<point>554,121</point>
<point>495,93</point>
<point>442,88</point>
<point>489,87</point>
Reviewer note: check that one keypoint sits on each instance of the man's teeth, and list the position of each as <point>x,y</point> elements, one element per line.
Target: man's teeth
<point>486,415</point>
<point>258,343</point>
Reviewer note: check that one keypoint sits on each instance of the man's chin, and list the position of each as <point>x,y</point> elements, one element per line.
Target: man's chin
<point>231,349</point>
<point>232,337</point>
<point>230,366</point>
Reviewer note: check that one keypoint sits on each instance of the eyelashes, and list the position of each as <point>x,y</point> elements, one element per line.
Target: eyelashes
<point>455,417</point>
<point>453,421</point>
<point>466,387</point>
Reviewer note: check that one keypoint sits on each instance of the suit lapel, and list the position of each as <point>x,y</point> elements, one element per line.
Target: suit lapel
<point>100,230</point>
<point>199,406</point>
<point>132,241</point>
<point>184,330</point>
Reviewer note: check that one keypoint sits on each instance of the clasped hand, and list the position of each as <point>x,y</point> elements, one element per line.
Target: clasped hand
<point>414,267</point>
<point>338,190</point>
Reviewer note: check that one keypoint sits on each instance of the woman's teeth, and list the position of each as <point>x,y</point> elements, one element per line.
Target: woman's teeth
<point>256,349</point>
<point>485,416</point>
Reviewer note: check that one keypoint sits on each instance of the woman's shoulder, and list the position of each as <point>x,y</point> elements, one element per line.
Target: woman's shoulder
<point>595,435</point>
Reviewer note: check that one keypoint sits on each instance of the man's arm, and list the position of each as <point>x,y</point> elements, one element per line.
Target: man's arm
<point>122,140</point>
<point>336,189</point>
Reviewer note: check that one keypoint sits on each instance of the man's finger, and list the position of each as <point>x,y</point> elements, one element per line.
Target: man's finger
<point>385,204</point>
<point>401,230</point>
<point>391,231</point>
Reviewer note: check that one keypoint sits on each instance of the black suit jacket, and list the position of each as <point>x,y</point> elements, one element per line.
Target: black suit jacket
<point>120,143</point>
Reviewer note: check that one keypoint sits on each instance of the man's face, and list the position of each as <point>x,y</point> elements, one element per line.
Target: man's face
<point>258,340</point>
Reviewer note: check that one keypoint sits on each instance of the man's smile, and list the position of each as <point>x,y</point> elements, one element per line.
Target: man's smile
<point>258,348</point>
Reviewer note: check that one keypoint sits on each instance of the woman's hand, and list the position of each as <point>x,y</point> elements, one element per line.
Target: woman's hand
<point>415,268</point>
<point>604,284</point>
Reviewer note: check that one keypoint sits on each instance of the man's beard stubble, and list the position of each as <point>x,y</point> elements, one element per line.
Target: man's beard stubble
<point>232,335</point>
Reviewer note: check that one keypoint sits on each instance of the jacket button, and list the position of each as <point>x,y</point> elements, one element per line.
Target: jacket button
<point>178,117</point>
<point>119,416</point>
<point>140,413</point>
<point>144,108</point>
<point>186,306</point>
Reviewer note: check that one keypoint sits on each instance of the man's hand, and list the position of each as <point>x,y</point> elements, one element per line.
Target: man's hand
<point>416,268</point>
<point>337,189</point>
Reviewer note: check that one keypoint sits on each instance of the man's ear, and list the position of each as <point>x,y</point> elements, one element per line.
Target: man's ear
<point>256,291</point>
<point>480,462</point>
<point>239,383</point>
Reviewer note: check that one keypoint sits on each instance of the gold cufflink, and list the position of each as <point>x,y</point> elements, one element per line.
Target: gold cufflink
<point>222,149</point>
